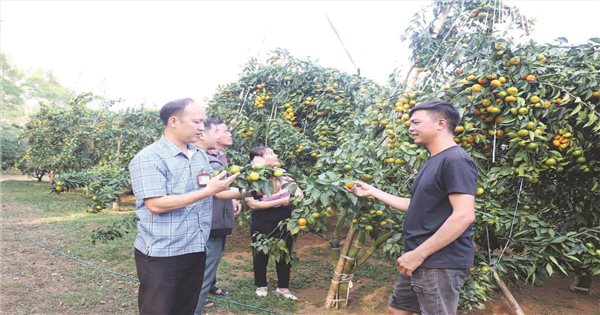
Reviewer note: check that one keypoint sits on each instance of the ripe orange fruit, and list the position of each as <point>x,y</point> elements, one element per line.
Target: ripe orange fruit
<point>480,191</point>
<point>476,88</point>
<point>512,90</point>
<point>502,79</point>
<point>510,99</point>
<point>494,109</point>
<point>530,78</point>
<point>550,162</point>
<point>253,176</point>
<point>556,142</point>
<point>302,222</point>
<point>534,99</point>
<point>495,83</point>
<point>349,185</point>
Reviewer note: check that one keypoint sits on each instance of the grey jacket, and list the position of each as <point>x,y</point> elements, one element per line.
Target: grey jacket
<point>222,214</point>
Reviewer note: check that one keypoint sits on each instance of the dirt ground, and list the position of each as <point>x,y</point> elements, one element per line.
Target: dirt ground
<point>27,268</point>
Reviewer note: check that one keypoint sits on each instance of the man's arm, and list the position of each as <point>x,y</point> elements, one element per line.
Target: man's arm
<point>463,214</point>
<point>259,205</point>
<point>232,193</point>
<point>364,190</point>
<point>164,204</point>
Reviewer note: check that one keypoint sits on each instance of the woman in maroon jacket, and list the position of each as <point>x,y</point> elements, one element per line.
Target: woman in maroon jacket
<point>267,212</point>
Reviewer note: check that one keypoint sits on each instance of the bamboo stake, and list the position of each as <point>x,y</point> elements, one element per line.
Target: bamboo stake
<point>349,268</point>
<point>511,299</point>
<point>337,275</point>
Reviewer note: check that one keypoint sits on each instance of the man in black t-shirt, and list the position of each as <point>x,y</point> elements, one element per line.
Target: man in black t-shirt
<point>437,227</point>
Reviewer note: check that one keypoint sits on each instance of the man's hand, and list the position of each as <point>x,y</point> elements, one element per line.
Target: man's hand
<point>362,189</point>
<point>409,262</point>
<point>237,207</point>
<point>217,184</point>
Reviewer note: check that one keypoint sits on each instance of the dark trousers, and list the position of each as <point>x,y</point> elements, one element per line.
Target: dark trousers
<point>213,285</point>
<point>169,285</point>
<point>260,262</point>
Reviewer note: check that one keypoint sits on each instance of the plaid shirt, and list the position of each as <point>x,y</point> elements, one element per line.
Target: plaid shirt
<point>161,169</point>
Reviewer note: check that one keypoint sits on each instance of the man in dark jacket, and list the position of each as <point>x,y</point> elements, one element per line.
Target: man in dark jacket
<point>216,138</point>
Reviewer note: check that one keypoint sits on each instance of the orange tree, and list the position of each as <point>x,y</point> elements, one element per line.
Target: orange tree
<point>57,134</point>
<point>529,119</point>
<point>87,147</point>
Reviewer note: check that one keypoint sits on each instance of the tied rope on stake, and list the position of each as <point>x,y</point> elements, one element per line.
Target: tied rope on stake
<point>345,278</point>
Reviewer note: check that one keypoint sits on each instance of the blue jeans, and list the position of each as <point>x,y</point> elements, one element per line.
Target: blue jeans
<point>429,291</point>
<point>214,251</point>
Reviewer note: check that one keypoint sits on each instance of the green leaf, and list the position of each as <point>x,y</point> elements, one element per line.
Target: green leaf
<point>549,269</point>
<point>576,110</point>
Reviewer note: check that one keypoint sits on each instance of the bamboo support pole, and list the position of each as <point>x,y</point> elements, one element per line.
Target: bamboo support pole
<point>511,299</point>
<point>339,268</point>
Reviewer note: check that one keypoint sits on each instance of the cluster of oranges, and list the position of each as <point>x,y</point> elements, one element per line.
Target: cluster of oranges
<point>309,101</point>
<point>249,132</point>
<point>562,141</point>
<point>289,112</point>
<point>262,95</point>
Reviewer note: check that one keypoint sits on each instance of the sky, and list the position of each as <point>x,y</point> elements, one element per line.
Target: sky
<point>151,52</point>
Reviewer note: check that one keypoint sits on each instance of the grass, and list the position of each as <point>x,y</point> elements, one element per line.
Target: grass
<point>61,223</point>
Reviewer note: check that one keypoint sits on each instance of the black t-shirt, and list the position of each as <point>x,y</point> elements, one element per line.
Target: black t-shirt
<point>450,171</point>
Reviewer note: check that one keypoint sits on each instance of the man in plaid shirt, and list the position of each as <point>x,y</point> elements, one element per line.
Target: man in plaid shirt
<point>174,211</point>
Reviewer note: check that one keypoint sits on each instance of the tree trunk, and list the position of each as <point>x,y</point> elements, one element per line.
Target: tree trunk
<point>350,266</point>
<point>116,205</point>
<point>583,284</point>
<point>40,175</point>
<point>332,295</point>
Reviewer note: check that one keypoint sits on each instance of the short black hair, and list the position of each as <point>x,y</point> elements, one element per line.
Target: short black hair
<point>258,151</point>
<point>440,109</point>
<point>208,123</point>
<point>173,108</point>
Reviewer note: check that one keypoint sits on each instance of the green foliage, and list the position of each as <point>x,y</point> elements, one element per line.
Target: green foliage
<point>60,138</point>
<point>528,225</point>
<point>20,89</point>
<point>102,185</point>
<point>114,230</point>
<point>11,149</point>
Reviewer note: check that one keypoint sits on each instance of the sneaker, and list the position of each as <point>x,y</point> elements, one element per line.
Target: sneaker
<point>286,293</point>
<point>261,291</point>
